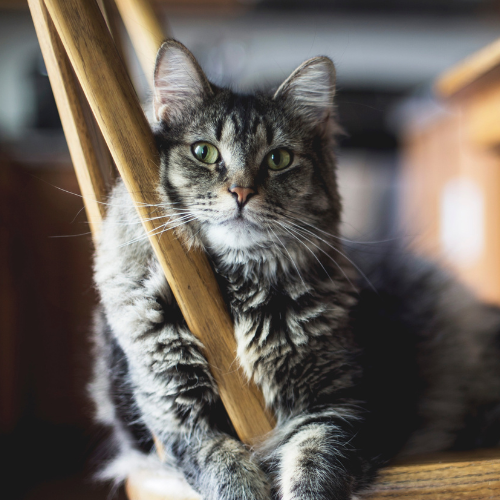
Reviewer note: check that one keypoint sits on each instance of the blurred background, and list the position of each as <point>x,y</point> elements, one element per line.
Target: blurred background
<point>411,166</point>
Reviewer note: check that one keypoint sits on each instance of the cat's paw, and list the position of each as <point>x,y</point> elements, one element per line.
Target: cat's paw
<point>230,474</point>
<point>240,483</point>
<point>312,465</point>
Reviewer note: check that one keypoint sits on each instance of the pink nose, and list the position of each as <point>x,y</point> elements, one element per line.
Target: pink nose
<point>242,194</point>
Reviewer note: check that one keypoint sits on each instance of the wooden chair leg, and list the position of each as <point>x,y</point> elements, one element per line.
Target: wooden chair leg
<point>145,485</point>
<point>145,31</point>
<point>88,151</point>
<point>113,21</point>
<point>443,476</point>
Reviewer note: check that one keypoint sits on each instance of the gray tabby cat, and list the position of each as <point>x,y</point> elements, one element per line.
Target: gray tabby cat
<point>408,362</point>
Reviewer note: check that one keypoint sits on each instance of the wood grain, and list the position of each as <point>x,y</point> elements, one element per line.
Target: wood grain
<point>144,30</point>
<point>129,138</point>
<point>85,142</point>
<point>144,485</point>
<point>482,116</point>
<point>454,147</point>
<point>465,479</point>
<point>460,143</point>
<point>446,476</point>
<point>466,72</point>
<point>113,21</point>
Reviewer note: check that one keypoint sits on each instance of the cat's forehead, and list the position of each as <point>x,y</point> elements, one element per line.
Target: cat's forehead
<point>244,122</point>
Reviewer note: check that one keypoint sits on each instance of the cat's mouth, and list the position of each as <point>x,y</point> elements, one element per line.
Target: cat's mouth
<point>237,232</point>
<point>240,221</point>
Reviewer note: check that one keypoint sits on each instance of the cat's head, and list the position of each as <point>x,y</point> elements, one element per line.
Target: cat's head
<point>248,171</point>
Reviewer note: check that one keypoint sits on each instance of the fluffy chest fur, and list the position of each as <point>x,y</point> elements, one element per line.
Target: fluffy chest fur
<point>291,327</point>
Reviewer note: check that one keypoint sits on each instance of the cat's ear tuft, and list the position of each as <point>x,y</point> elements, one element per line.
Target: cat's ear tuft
<point>179,82</point>
<point>310,89</point>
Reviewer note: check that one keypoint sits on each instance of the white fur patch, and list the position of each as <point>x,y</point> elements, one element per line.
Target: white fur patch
<point>149,475</point>
<point>235,234</point>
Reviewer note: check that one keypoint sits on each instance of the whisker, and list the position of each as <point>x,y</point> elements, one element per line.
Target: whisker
<point>157,230</point>
<point>142,204</point>
<point>312,253</point>
<point>125,222</point>
<point>337,264</point>
<point>286,250</point>
<point>302,229</point>
<point>370,284</point>
<point>274,243</point>
<point>77,214</point>
<point>145,235</point>
<point>346,240</point>
<point>71,235</point>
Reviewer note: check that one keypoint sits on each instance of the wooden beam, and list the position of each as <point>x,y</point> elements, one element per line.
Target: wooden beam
<point>481,114</point>
<point>467,479</point>
<point>88,151</point>
<point>110,94</point>
<point>113,21</point>
<point>469,70</point>
<point>144,30</point>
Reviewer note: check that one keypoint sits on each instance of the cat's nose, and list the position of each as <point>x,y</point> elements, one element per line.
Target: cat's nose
<point>242,194</point>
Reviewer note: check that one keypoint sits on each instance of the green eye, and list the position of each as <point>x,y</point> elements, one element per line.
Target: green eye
<point>278,159</point>
<point>205,152</point>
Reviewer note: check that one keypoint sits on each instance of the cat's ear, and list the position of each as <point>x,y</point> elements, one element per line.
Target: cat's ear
<point>179,82</point>
<point>310,89</point>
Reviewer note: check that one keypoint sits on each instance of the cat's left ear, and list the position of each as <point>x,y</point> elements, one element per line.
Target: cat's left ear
<point>179,82</point>
<point>310,89</point>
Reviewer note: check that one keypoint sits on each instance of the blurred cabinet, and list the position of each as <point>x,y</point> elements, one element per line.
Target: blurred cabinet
<point>451,172</point>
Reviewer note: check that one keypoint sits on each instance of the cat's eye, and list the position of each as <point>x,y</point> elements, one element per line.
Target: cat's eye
<point>278,159</point>
<point>205,152</point>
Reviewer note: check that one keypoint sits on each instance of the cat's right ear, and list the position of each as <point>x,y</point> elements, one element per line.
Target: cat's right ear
<point>179,82</point>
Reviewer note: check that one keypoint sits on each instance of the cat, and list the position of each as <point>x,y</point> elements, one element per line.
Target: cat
<point>361,352</point>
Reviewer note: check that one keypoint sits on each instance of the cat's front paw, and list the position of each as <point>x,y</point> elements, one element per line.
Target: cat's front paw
<point>239,483</point>
<point>310,467</point>
<point>230,474</point>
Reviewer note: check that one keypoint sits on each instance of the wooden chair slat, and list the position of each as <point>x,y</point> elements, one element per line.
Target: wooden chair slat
<point>458,475</point>
<point>112,18</point>
<point>145,31</point>
<point>86,144</point>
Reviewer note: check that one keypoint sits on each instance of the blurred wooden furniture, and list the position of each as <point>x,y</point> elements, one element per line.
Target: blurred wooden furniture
<point>452,173</point>
<point>103,121</point>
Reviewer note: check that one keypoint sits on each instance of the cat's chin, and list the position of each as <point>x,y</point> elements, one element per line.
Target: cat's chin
<point>235,234</point>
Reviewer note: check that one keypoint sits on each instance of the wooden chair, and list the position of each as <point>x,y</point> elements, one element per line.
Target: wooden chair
<point>452,167</point>
<point>104,123</point>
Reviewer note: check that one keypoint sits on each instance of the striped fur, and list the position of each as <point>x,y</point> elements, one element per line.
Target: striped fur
<point>351,373</point>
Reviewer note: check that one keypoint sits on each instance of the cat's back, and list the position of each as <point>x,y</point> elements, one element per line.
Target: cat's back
<point>431,349</point>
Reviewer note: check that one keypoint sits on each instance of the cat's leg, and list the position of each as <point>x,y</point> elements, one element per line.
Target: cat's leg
<point>181,406</point>
<point>219,467</point>
<point>312,457</point>
<point>173,387</point>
